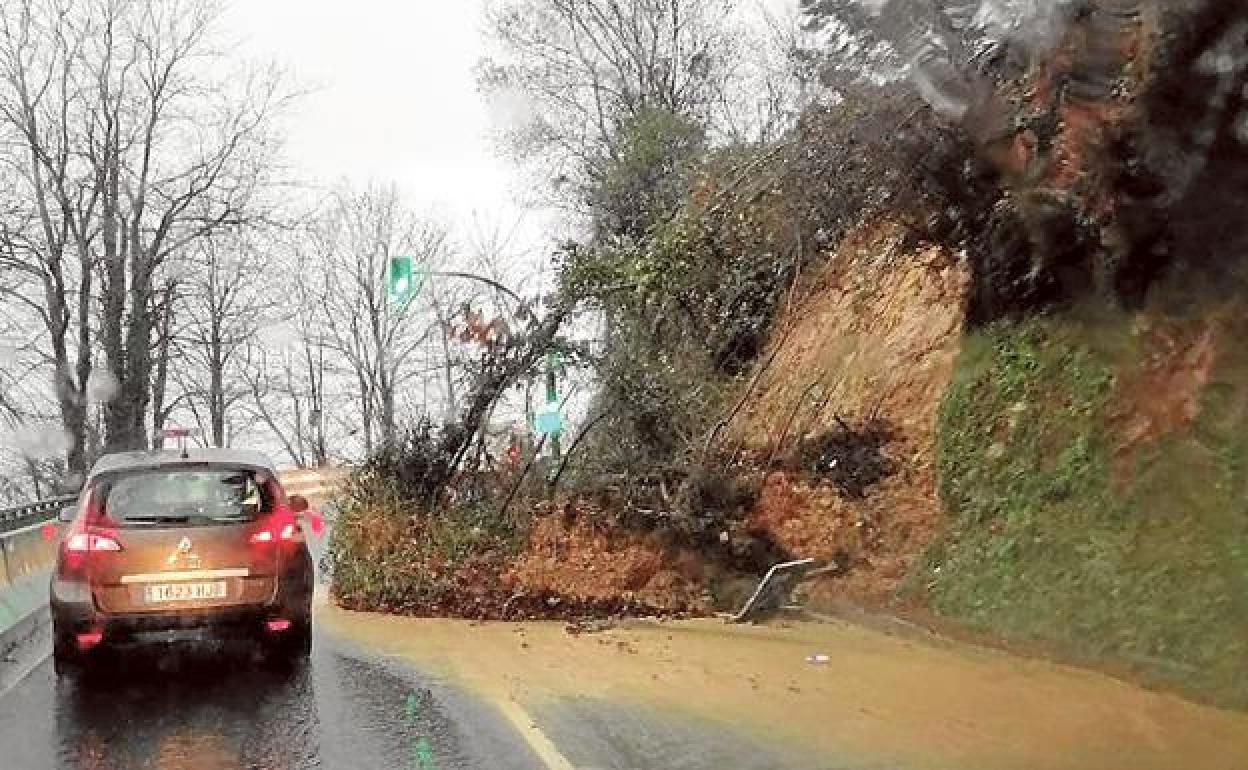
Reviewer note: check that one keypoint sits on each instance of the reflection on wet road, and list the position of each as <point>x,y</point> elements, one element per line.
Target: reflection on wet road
<point>214,709</point>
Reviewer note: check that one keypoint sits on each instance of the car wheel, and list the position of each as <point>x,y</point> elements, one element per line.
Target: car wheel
<point>66,661</point>
<point>292,647</point>
<point>300,641</point>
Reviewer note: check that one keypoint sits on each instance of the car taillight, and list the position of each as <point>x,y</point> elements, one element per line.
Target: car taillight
<point>270,534</point>
<point>90,542</point>
<point>78,549</point>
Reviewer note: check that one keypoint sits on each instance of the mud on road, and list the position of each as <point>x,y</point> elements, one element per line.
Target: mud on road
<point>879,701</point>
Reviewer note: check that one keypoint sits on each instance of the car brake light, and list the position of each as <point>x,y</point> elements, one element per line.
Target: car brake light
<point>277,625</point>
<point>88,542</point>
<point>78,550</point>
<point>286,533</point>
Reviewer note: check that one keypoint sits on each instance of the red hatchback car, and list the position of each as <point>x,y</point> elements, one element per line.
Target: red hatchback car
<point>182,546</point>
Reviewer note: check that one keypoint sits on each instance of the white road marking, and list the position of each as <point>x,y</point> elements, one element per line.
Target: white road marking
<point>542,746</point>
<point>24,671</point>
<point>37,647</point>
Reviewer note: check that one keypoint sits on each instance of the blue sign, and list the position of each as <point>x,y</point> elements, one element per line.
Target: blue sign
<point>546,423</point>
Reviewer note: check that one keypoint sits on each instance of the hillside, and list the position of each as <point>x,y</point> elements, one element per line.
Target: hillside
<point>1074,481</point>
<point>1093,467</point>
<point>984,368</point>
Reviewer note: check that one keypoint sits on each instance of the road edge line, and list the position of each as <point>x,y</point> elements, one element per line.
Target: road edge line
<point>537,740</point>
<point>18,632</point>
<point>15,635</point>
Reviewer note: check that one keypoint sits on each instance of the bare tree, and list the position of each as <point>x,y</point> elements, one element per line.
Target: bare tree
<point>225,298</point>
<point>378,342</point>
<point>587,67</point>
<point>192,158</point>
<point>287,400</point>
<point>50,242</point>
<point>133,140</point>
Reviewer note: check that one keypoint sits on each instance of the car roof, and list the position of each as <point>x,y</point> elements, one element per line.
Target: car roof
<point>122,462</point>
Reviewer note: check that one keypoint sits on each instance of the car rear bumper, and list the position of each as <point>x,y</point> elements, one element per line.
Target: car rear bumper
<point>76,611</point>
<point>190,625</point>
<point>219,622</point>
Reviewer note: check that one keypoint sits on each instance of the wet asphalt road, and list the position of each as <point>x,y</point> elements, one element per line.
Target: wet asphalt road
<point>216,709</point>
<point>348,707</point>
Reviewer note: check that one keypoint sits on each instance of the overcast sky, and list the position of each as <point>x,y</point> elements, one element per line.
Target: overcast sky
<point>393,98</point>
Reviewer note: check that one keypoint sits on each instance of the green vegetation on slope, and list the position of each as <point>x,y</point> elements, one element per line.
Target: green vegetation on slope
<point>1061,531</point>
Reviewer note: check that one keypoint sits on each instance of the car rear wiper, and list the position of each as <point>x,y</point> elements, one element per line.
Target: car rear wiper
<point>166,519</point>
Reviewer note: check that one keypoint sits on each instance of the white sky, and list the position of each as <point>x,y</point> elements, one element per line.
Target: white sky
<point>393,99</point>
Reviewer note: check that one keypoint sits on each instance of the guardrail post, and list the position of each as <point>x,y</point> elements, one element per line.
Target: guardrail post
<point>4,549</point>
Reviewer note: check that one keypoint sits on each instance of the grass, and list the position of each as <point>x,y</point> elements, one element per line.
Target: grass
<point>1057,534</point>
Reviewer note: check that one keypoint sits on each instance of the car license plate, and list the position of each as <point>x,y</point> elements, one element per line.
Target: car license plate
<point>184,592</point>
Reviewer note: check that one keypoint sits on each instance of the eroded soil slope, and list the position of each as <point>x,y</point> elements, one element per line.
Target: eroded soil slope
<point>875,335</point>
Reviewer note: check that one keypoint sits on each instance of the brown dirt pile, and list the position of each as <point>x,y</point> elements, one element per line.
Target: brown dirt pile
<point>576,552</point>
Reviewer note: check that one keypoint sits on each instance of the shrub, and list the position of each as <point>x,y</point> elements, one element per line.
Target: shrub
<point>395,548</point>
<point>415,462</point>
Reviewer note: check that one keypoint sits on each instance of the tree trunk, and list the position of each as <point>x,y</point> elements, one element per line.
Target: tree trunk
<point>216,389</point>
<point>116,411</point>
<point>70,397</point>
<point>125,417</point>
<point>366,402</point>
<point>36,477</point>
<point>161,380</point>
<point>387,411</point>
<point>316,376</point>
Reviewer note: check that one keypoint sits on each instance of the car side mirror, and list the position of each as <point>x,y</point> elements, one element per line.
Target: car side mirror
<point>67,514</point>
<point>298,503</point>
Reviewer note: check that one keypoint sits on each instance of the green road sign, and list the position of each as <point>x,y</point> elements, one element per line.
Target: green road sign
<point>405,280</point>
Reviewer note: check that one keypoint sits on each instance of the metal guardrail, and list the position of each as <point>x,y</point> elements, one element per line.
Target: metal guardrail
<point>28,551</point>
<point>33,513</point>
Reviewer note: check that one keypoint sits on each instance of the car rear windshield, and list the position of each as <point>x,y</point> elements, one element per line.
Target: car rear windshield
<point>182,497</point>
